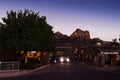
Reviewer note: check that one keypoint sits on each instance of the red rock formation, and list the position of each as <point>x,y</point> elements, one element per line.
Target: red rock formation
<point>59,35</point>
<point>81,34</point>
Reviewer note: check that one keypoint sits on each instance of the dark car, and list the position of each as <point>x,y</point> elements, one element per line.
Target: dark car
<point>63,59</point>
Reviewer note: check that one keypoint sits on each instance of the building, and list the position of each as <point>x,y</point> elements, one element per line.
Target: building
<point>110,57</point>
<point>64,51</point>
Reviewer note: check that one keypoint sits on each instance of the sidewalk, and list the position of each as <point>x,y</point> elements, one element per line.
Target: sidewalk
<point>113,68</point>
<point>105,68</point>
<point>15,73</point>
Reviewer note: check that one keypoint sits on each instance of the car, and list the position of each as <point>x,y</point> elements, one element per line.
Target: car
<point>64,59</point>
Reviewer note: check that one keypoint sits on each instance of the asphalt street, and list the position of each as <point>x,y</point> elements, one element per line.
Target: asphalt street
<point>68,71</point>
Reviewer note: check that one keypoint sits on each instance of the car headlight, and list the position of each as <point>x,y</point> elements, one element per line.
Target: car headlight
<point>67,59</point>
<point>61,59</point>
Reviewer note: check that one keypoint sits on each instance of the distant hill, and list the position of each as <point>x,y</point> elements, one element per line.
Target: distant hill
<point>59,35</point>
<point>79,38</point>
<point>78,33</point>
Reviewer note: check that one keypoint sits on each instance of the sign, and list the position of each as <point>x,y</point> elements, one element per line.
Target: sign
<point>110,52</point>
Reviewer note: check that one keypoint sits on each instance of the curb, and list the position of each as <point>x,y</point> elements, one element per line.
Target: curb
<point>13,74</point>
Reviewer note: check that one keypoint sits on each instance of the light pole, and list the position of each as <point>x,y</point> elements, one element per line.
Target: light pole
<point>119,42</point>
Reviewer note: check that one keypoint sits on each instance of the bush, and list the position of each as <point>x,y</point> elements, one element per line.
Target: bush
<point>30,65</point>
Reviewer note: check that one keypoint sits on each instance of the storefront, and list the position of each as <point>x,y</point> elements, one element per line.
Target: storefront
<point>109,57</point>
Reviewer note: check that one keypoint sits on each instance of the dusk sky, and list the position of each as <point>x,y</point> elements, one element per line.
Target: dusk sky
<point>100,17</point>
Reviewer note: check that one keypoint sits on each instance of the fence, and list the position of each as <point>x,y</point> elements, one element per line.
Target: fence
<point>9,66</point>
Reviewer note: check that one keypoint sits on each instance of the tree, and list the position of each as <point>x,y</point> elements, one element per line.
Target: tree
<point>115,43</point>
<point>27,31</point>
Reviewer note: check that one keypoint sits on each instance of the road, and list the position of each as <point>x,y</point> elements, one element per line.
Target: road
<point>68,71</point>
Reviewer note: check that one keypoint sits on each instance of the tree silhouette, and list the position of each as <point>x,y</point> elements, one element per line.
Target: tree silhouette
<point>27,31</point>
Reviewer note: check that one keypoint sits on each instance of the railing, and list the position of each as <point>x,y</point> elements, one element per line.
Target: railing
<point>9,66</point>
